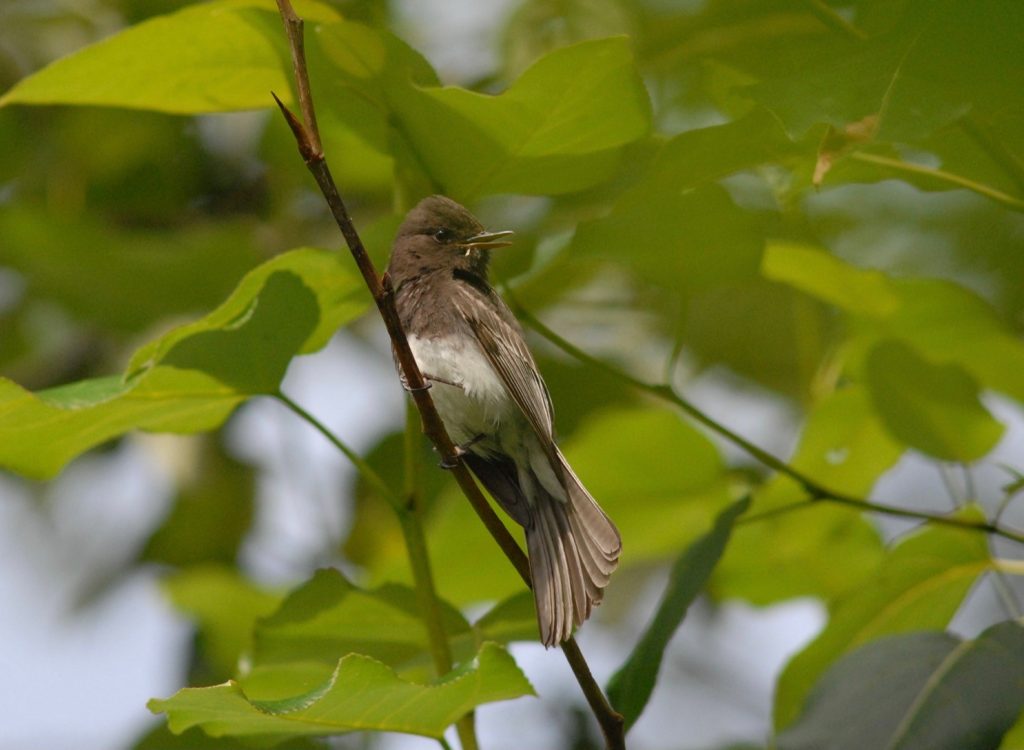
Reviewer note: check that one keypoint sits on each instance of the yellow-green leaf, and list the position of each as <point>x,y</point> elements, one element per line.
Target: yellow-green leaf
<point>361,693</point>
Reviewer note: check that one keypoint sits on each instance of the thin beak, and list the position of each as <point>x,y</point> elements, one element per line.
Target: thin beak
<point>488,240</point>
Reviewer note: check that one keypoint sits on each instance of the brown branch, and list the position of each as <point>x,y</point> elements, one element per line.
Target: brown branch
<point>308,142</point>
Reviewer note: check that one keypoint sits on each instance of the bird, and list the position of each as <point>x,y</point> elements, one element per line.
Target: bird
<point>496,408</point>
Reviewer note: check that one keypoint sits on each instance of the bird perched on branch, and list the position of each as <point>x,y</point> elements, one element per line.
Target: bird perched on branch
<point>496,408</point>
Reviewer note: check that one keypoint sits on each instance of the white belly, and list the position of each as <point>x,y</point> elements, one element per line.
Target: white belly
<point>476,402</point>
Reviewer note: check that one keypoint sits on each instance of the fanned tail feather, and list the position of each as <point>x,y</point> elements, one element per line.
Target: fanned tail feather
<point>573,546</point>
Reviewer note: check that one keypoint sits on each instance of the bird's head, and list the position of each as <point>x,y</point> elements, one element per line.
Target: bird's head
<point>439,234</point>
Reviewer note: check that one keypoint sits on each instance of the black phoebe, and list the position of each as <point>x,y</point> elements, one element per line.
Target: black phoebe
<point>496,407</point>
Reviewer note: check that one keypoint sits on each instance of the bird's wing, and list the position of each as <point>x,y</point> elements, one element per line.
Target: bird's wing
<point>502,343</point>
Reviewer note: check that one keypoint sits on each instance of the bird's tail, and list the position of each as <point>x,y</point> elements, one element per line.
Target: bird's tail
<point>573,548</point>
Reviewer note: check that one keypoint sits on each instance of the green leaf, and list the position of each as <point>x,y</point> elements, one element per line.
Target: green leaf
<point>226,606</point>
<point>922,691</point>
<point>192,378</point>
<point>361,693</point>
<point>211,57</point>
<point>822,275</point>
<point>919,585</point>
<point>328,617</point>
<point>844,447</point>
<point>942,321</point>
<point>934,408</point>
<point>631,686</point>
<point>557,129</point>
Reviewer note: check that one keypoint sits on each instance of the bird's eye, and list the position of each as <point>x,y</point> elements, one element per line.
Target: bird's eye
<point>444,235</point>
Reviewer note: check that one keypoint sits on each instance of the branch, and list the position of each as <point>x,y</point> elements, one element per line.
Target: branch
<point>816,491</point>
<point>308,142</point>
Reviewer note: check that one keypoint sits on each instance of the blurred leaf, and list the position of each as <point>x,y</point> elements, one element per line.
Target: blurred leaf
<point>514,619</point>
<point>537,27</point>
<point>934,408</point>
<point>1014,739</point>
<point>361,693</point>
<point>706,154</point>
<point>369,70</point>
<point>375,532</point>
<point>161,738</point>
<point>213,57</point>
<point>211,514</point>
<point>942,321</point>
<point>821,275</point>
<point>938,62</point>
<point>843,447</point>
<point>328,618</point>
<point>764,331</point>
<point>919,585</point>
<point>125,280</point>
<point>226,606</point>
<point>631,686</point>
<point>922,691</point>
<point>673,238</point>
<point>193,377</point>
<point>557,129</point>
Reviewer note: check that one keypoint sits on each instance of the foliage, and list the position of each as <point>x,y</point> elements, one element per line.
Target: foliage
<point>817,202</point>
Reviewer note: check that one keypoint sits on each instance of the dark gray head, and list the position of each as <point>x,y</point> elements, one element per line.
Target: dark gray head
<point>440,234</point>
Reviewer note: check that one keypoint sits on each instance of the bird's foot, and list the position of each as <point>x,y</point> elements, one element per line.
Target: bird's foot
<point>460,451</point>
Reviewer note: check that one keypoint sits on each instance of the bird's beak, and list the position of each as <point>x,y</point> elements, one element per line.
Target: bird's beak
<point>488,240</point>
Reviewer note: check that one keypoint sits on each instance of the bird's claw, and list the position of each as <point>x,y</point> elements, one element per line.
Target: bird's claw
<point>455,460</point>
<point>460,451</point>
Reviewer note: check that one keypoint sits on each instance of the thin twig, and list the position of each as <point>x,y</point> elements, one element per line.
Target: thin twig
<point>816,491</point>
<point>383,295</point>
<point>293,26</point>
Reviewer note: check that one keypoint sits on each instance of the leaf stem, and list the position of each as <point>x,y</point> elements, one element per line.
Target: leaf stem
<point>367,471</point>
<point>308,142</point>
<point>830,18</point>
<point>898,165</point>
<point>1013,567</point>
<point>816,491</point>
